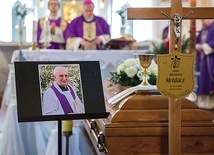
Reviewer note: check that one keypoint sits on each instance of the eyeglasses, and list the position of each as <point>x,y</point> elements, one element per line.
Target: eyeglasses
<point>63,76</point>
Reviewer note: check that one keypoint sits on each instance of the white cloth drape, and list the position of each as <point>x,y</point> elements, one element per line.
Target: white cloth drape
<point>24,138</point>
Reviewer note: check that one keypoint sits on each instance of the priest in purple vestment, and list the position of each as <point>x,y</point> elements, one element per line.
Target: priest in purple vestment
<point>205,65</point>
<point>87,32</point>
<point>51,31</point>
<point>61,98</point>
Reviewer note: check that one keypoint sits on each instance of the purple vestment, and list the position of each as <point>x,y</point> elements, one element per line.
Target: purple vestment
<point>205,63</point>
<point>53,45</point>
<point>63,100</point>
<point>76,27</point>
<point>165,33</point>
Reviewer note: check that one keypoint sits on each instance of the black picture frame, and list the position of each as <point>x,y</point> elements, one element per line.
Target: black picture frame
<point>28,91</point>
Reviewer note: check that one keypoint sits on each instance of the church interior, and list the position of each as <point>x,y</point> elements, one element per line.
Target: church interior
<point>139,121</point>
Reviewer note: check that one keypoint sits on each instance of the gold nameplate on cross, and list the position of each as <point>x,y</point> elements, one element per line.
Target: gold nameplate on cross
<point>176,74</point>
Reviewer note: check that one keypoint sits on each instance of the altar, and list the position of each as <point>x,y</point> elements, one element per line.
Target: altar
<point>109,59</point>
<point>43,139</point>
<point>6,52</point>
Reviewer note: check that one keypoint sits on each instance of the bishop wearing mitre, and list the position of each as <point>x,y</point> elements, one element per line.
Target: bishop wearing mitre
<point>88,31</point>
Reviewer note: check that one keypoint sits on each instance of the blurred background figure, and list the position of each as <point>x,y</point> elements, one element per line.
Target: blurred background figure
<point>205,65</point>
<point>184,38</point>
<point>88,31</point>
<point>52,30</point>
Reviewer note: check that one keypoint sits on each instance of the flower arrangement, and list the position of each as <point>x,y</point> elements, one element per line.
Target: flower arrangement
<point>21,10</point>
<point>129,73</point>
<point>122,15</point>
<point>122,12</point>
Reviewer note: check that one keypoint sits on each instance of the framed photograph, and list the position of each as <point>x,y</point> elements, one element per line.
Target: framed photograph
<point>54,90</point>
<point>61,79</point>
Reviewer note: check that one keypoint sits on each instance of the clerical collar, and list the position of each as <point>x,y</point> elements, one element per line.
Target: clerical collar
<point>88,21</point>
<point>63,88</point>
<point>53,17</point>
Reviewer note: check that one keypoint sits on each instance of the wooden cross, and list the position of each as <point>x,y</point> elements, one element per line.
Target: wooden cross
<point>168,13</point>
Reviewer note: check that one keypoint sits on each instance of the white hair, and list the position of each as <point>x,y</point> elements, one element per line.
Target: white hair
<point>57,68</point>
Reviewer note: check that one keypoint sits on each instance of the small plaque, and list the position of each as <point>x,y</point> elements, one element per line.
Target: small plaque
<point>175,74</point>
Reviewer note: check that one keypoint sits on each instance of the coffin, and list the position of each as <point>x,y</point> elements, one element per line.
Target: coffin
<point>138,124</point>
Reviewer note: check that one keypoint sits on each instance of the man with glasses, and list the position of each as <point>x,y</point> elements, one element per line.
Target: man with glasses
<point>87,32</point>
<point>55,36</point>
<point>60,97</point>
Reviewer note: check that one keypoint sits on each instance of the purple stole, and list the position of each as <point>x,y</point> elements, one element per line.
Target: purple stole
<point>63,100</point>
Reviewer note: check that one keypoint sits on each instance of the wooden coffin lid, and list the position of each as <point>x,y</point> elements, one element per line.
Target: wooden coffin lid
<point>153,108</point>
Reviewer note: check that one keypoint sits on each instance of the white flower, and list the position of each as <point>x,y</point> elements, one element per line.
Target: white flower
<point>153,68</point>
<point>140,75</point>
<point>120,68</point>
<point>131,71</point>
<point>21,10</point>
<point>133,67</point>
<point>132,62</point>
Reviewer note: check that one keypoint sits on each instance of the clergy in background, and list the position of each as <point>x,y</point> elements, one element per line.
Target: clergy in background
<point>205,65</point>
<point>51,31</point>
<point>87,32</point>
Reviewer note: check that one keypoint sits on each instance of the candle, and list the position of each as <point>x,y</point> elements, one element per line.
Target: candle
<point>67,125</point>
<point>47,30</point>
<point>34,31</point>
<point>20,31</point>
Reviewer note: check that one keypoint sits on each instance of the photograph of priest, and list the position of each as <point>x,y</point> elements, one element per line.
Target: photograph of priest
<point>56,36</point>
<point>205,65</point>
<point>60,97</point>
<point>88,31</point>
